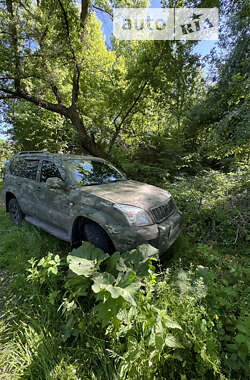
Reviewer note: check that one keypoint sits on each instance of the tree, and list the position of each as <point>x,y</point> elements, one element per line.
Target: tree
<point>54,56</point>
<point>218,127</point>
<point>6,150</point>
<point>47,50</point>
<point>36,128</point>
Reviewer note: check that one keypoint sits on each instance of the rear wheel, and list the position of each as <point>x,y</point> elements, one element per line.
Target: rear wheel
<point>16,214</point>
<point>95,235</point>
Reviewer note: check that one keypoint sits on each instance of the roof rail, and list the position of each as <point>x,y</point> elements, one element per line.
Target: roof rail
<point>32,152</point>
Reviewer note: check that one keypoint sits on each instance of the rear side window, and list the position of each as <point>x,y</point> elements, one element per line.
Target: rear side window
<point>49,170</point>
<point>25,168</point>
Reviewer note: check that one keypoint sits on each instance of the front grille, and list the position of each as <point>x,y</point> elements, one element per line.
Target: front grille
<point>163,211</point>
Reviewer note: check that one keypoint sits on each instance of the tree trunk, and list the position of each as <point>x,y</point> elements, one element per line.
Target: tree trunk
<point>86,142</point>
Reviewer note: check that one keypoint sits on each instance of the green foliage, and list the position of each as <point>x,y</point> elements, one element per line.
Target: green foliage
<point>84,261</point>
<point>164,159</point>
<point>22,242</point>
<point>7,149</point>
<point>118,95</point>
<point>228,304</point>
<point>115,286</point>
<point>151,324</point>
<point>215,206</point>
<point>37,129</point>
<point>218,126</point>
<point>164,332</point>
<point>240,349</point>
<point>46,273</point>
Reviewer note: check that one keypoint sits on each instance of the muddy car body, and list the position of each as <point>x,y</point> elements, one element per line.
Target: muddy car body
<point>79,198</point>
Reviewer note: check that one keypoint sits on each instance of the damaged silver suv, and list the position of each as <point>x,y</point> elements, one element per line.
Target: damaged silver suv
<point>78,198</point>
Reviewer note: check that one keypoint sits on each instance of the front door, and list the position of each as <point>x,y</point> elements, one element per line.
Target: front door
<point>53,204</point>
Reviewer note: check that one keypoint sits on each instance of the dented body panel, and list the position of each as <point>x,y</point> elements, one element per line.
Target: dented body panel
<point>56,206</point>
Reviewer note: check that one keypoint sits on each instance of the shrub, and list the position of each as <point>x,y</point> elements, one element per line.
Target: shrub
<point>153,327</point>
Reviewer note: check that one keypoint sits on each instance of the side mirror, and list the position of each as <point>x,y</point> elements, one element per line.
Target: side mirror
<point>55,183</point>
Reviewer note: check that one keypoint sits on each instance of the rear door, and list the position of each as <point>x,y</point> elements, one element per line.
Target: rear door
<point>23,173</point>
<point>53,206</point>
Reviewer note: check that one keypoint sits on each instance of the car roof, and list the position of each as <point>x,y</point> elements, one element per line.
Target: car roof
<point>57,156</point>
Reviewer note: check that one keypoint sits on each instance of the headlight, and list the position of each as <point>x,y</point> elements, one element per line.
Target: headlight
<point>134,215</point>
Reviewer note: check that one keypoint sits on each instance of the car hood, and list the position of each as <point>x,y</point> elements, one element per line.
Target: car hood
<point>130,193</point>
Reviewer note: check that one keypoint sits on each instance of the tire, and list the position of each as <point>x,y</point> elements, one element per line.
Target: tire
<point>95,235</point>
<point>16,214</point>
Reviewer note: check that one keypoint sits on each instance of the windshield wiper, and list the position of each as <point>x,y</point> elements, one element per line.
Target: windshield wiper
<point>116,180</point>
<point>92,184</point>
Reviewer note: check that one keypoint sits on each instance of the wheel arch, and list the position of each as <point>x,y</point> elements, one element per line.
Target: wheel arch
<point>8,196</point>
<point>77,230</point>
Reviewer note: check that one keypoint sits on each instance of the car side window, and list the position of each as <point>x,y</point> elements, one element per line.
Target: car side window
<point>49,170</point>
<point>25,168</point>
<point>17,166</point>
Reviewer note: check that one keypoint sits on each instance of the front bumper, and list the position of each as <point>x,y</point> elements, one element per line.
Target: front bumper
<point>160,236</point>
<point>169,230</point>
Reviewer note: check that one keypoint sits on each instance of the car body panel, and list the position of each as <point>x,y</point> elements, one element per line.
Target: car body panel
<point>130,192</point>
<point>53,205</point>
<point>24,191</point>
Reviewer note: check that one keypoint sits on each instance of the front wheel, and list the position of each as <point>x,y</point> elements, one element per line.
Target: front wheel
<point>95,235</point>
<point>16,214</point>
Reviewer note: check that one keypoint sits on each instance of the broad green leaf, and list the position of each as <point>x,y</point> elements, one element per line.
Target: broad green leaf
<point>127,279</point>
<point>83,260</point>
<point>53,270</point>
<point>170,323</point>
<point>81,266</point>
<point>240,338</point>
<point>171,341</point>
<point>105,311</point>
<point>125,288</point>
<point>90,252</point>
<point>103,281</point>
<point>166,320</point>
<point>111,263</point>
<point>137,259</point>
<point>79,285</point>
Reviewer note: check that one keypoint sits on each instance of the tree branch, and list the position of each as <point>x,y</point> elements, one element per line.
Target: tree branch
<point>19,94</point>
<point>103,10</point>
<point>84,11</point>
<point>26,9</point>
<point>3,97</point>
<point>75,89</point>
<point>56,93</point>
<point>65,18</point>
<point>77,70</point>
<point>131,108</point>
<point>14,43</point>
<point>119,127</point>
<point>53,84</point>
